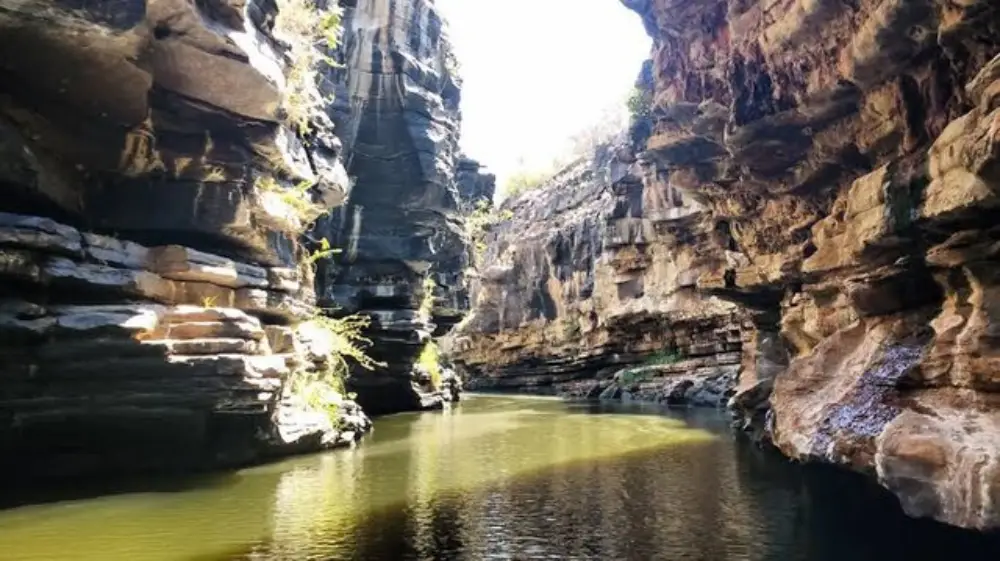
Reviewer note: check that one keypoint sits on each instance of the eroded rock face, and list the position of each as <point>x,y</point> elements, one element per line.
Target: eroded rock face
<point>397,108</point>
<point>593,273</point>
<point>848,151</point>
<point>155,120</point>
<point>120,357</point>
<point>150,284</point>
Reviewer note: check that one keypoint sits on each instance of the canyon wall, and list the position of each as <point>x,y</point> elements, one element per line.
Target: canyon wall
<point>401,232</point>
<point>857,174</point>
<point>153,286</point>
<point>595,272</point>
<point>831,171</point>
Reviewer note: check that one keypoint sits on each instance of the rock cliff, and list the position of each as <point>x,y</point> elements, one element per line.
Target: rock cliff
<point>401,232</point>
<point>856,170</point>
<point>159,162</point>
<point>593,273</point>
<point>831,173</point>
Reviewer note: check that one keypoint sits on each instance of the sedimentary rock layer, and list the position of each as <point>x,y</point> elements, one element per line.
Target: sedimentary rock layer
<point>401,232</point>
<point>816,185</point>
<point>116,356</point>
<point>593,273</point>
<point>151,196</point>
<point>849,152</point>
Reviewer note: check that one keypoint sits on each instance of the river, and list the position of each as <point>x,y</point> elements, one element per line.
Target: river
<point>502,478</point>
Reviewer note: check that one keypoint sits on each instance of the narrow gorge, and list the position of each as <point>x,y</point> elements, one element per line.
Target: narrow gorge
<point>232,230</point>
<point>164,286</point>
<point>799,226</point>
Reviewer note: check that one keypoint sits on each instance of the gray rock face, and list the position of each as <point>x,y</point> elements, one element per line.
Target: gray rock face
<point>397,109</point>
<point>154,122</point>
<point>149,282</point>
<point>474,183</point>
<point>594,272</point>
<point>118,356</point>
<point>700,382</point>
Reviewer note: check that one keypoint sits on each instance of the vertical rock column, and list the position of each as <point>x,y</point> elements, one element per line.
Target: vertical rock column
<point>397,109</point>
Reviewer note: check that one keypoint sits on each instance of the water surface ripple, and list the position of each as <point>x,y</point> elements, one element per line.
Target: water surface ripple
<point>500,478</point>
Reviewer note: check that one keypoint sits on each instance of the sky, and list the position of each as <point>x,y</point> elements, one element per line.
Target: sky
<point>536,72</point>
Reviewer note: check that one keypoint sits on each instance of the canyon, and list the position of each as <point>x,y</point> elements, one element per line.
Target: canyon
<point>164,287</point>
<point>799,225</point>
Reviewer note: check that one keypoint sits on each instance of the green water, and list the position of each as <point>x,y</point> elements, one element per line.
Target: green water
<point>493,478</point>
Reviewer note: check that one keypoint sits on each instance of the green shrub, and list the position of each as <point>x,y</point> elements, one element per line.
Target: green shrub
<point>430,361</point>
<point>297,198</point>
<point>636,374</point>
<point>324,252</point>
<point>307,30</point>
<point>349,342</point>
<point>663,357</point>
<point>639,103</point>
<point>526,180</point>
<point>321,389</point>
<point>427,302</point>
<point>478,224</point>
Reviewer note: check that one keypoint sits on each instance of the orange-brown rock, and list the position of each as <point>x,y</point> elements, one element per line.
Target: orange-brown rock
<point>822,178</point>
<point>852,152</point>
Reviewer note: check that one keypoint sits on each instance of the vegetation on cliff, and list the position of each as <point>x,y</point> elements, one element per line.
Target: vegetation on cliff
<point>478,225</point>
<point>581,145</point>
<point>343,345</point>
<point>639,103</point>
<point>309,32</point>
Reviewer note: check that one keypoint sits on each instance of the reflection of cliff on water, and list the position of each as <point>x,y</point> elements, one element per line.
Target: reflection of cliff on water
<point>504,478</point>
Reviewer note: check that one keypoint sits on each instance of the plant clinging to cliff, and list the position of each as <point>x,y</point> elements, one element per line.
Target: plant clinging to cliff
<point>349,342</point>
<point>430,361</point>
<point>478,224</point>
<point>323,388</point>
<point>296,198</point>
<point>523,181</point>
<point>427,302</point>
<point>325,251</point>
<point>309,32</point>
<point>639,103</point>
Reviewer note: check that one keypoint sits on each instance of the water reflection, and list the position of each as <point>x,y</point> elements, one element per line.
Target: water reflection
<point>502,478</point>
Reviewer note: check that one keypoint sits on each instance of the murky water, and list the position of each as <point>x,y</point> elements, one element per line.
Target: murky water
<point>499,478</point>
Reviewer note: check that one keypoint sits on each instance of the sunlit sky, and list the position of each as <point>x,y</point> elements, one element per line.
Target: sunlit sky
<point>537,71</point>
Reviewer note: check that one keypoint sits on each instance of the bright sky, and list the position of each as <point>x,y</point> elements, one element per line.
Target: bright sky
<point>537,71</point>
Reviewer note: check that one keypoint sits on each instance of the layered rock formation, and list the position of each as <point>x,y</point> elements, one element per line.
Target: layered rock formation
<point>830,170</point>
<point>153,181</point>
<point>404,249</point>
<point>851,151</point>
<point>592,273</point>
